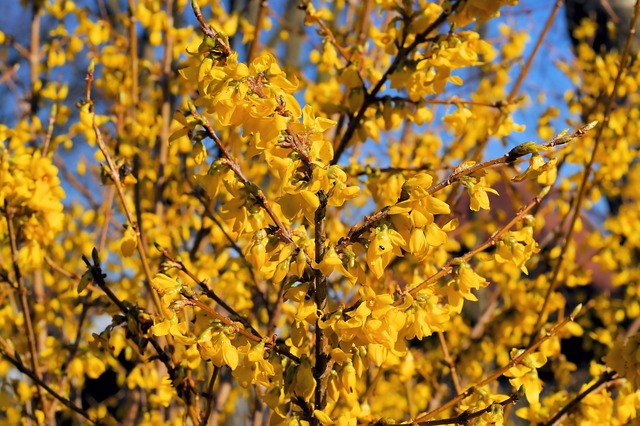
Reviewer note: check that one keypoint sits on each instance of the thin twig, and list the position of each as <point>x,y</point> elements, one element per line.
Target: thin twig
<point>24,303</point>
<point>370,96</point>
<point>320,289</point>
<point>47,136</point>
<point>282,231</point>
<point>464,418</point>
<point>450,362</point>
<point>459,172</point>
<point>453,101</point>
<point>253,48</point>
<point>624,60</point>
<point>114,174</point>
<point>251,334</point>
<point>604,379</point>
<point>518,359</point>
<point>40,384</point>
<point>165,111</point>
<point>209,396</point>
<point>492,240</point>
<point>523,73</point>
<point>326,31</point>
<point>221,46</point>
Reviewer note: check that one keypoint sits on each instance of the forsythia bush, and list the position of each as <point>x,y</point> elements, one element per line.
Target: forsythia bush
<point>281,215</point>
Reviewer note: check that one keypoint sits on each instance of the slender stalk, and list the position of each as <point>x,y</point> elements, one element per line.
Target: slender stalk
<point>209,396</point>
<point>41,384</point>
<point>604,380</point>
<point>320,287</point>
<point>492,240</point>
<point>465,417</point>
<point>450,362</point>
<point>499,372</point>
<point>252,334</point>
<point>523,72</point>
<point>50,123</point>
<point>326,31</point>
<point>165,110</point>
<point>458,173</point>
<point>624,60</point>
<point>24,304</point>
<point>34,63</point>
<point>283,232</point>
<point>253,48</point>
<point>114,174</point>
<point>370,96</point>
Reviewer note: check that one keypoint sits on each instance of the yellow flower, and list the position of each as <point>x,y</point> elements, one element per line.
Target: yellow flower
<point>624,358</point>
<point>214,345</point>
<point>526,375</point>
<point>303,384</point>
<point>478,193</point>
<point>129,242</point>
<point>537,166</point>
<point>384,246</point>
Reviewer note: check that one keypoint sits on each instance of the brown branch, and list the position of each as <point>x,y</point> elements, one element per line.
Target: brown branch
<point>22,291</point>
<point>518,359</point>
<point>453,101</point>
<point>325,31</point>
<point>209,396</point>
<point>186,390</point>
<point>71,179</point>
<point>282,232</point>
<point>320,290</point>
<point>50,122</point>
<point>450,362</point>
<point>40,384</point>
<point>252,334</point>
<point>604,379</point>
<point>114,174</point>
<point>253,48</point>
<point>368,171</point>
<point>523,72</point>
<point>465,417</point>
<point>232,244</point>
<point>208,290</point>
<point>527,66</point>
<point>370,97</point>
<point>492,240</point>
<point>624,60</point>
<point>221,46</point>
<point>165,111</point>
<point>519,151</point>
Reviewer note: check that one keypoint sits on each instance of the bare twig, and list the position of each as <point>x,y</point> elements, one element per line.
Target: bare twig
<point>210,400</point>
<point>114,174</point>
<point>604,380</point>
<point>165,111</point>
<point>24,303</point>
<point>492,240</point>
<point>519,151</point>
<point>518,359</point>
<point>326,31</point>
<point>465,417</point>
<point>253,48</point>
<point>370,96</point>
<point>40,384</point>
<point>282,232</point>
<point>587,173</point>
<point>450,362</point>
<point>320,288</point>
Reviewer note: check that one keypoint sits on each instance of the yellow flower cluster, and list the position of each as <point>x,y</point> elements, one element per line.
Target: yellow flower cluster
<point>624,358</point>
<point>30,197</point>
